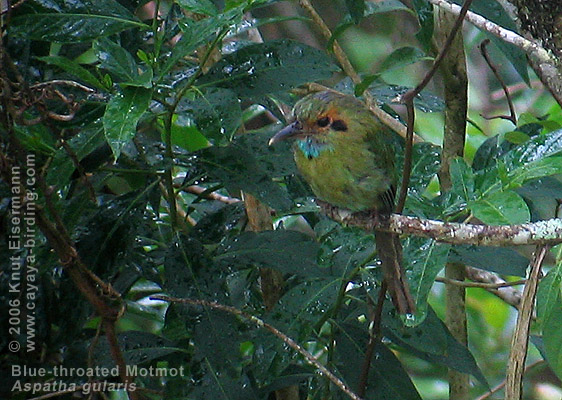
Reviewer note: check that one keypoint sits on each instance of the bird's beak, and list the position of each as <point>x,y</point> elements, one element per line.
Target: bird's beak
<point>287,132</point>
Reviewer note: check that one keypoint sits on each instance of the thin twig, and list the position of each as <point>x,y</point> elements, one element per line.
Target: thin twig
<point>502,384</point>
<point>408,100</point>
<point>512,116</point>
<point>204,192</point>
<point>262,324</point>
<point>63,82</point>
<point>520,341</point>
<point>374,337</point>
<point>482,285</point>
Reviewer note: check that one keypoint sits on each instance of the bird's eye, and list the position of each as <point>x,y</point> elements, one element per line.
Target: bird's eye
<point>322,122</point>
<point>339,125</point>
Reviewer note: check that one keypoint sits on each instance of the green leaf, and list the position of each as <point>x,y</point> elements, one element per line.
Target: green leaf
<point>516,137</point>
<point>549,295</point>
<point>187,136</point>
<point>387,378</point>
<point>138,347</point>
<point>502,260</point>
<point>270,67</point>
<point>84,143</point>
<point>276,160</point>
<point>75,21</point>
<point>238,169</point>
<point>424,258</point>
<point>72,67</point>
<point>401,57</point>
<point>216,112</point>
<point>540,195</point>
<point>286,251</point>
<point>189,272</point>
<point>424,11</point>
<point>205,7</point>
<point>356,9</point>
<point>489,152</point>
<point>343,248</point>
<point>501,208</point>
<point>303,305</point>
<point>538,147</point>
<point>194,34</point>
<point>536,169</point>
<point>551,337</point>
<point>462,179</point>
<point>122,115</point>
<point>387,94</point>
<point>426,159</point>
<point>520,164</point>
<point>121,64</point>
<point>433,342</point>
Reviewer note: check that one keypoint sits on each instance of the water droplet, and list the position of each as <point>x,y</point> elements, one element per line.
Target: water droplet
<point>409,319</point>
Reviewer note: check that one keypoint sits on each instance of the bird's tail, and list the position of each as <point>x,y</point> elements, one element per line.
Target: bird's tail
<point>389,250</point>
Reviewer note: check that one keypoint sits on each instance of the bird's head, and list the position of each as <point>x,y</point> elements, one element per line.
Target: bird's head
<point>321,115</point>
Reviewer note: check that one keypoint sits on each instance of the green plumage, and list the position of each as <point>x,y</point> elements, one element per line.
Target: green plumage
<point>344,153</point>
<point>354,168</point>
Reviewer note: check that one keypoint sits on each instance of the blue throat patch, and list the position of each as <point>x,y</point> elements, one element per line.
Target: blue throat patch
<point>311,148</point>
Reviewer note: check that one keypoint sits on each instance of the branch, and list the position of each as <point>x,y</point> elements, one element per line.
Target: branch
<point>508,294</point>
<point>541,232</point>
<point>528,46</point>
<point>211,195</point>
<point>520,341</point>
<point>262,324</point>
<point>481,285</point>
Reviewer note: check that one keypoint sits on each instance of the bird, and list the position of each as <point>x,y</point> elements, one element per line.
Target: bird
<point>344,153</point>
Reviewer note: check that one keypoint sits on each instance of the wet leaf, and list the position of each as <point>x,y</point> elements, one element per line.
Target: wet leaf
<point>216,112</point>
<point>75,21</point>
<point>424,258</point>
<point>72,67</point>
<point>502,260</point>
<point>448,351</point>
<point>387,378</point>
<point>269,67</point>
<point>462,179</point>
<point>205,7</point>
<point>286,251</point>
<point>387,94</point>
<point>121,64</point>
<point>501,208</point>
<point>122,115</point>
<point>238,169</point>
